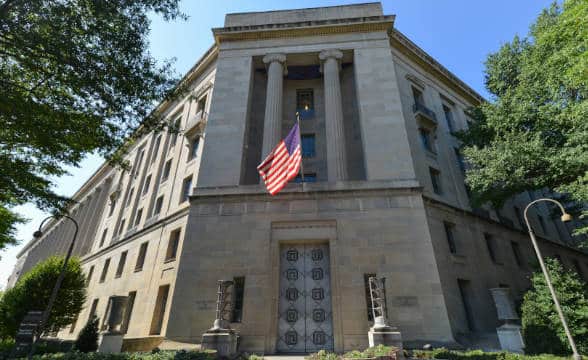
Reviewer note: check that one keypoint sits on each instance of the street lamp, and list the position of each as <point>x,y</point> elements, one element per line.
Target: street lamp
<point>565,217</point>
<point>38,234</point>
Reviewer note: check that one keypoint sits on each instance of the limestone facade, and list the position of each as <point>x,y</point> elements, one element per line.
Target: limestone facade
<point>386,193</point>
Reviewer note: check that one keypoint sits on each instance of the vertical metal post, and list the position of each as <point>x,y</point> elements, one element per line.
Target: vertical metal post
<point>301,151</point>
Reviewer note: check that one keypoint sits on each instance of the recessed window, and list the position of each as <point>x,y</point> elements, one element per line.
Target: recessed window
<point>435,180</point>
<point>449,118</point>
<point>194,148</point>
<point>186,188</point>
<point>138,217</point>
<point>175,128</point>
<point>465,293</point>
<point>450,236</point>
<point>308,146</point>
<point>427,139</point>
<point>201,106</point>
<point>129,197</point>
<point>156,149</point>
<point>137,167</point>
<point>158,205</point>
<point>305,103</point>
<point>159,311</point>
<point>491,247</point>
<point>460,160</point>
<point>105,270</point>
<point>166,170</point>
<point>121,264</point>
<point>519,215</point>
<point>368,296</point>
<point>112,206</point>
<point>172,245</point>
<point>516,251</point>
<point>308,178</point>
<point>90,273</point>
<point>417,96</point>
<point>121,228</point>
<point>542,224</point>
<point>239,290</point>
<point>103,238</point>
<point>146,184</point>
<point>128,312</point>
<point>141,257</point>
<point>92,312</point>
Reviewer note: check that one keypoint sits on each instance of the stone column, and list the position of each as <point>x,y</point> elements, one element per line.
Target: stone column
<point>272,124</point>
<point>336,160</point>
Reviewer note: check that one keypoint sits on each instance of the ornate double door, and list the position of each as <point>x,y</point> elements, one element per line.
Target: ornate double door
<point>305,313</point>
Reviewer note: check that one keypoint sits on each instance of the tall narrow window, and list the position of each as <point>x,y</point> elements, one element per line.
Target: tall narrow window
<point>519,216</point>
<point>121,227</point>
<point>491,246</point>
<point>308,146</point>
<point>172,245</point>
<point>92,312</point>
<point>305,103</point>
<point>174,130</point>
<point>159,311</point>
<point>105,270</point>
<point>450,235</point>
<point>141,257</point>
<point>129,197</point>
<point>112,206</point>
<point>156,149</point>
<point>186,188</point>
<point>146,184</point>
<point>166,170</point>
<point>158,205</point>
<point>239,289</point>
<point>460,160</point>
<point>137,169</point>
<point>417,96</point>
<point>448,118</point>
<point>435,180</point>
<point>103,237</point>
<point>90,273</point>
<point>516,251</point>
<point>542,224</point>
<point>194,148</point>
<point>464,292</point>
<point>427,139</point>
<point>124,327</point>
<point>121,264</point>
<point>201,106</point>
<point>73,324</point>
<point>368,297</point>
<point>138,217</point>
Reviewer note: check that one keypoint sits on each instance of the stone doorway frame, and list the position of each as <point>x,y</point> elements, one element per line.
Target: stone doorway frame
<point>304,232</point>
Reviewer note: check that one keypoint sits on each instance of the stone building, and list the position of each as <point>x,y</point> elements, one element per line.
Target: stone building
<point>384,194</point>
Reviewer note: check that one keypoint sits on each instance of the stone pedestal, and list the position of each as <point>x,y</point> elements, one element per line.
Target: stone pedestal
<point>510,338</point>
<point>110,343</point>
<point>387,336</point>
<point>225,343</point>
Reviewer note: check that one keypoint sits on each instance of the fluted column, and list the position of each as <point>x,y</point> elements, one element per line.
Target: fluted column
<point>272,124</point>
<point>336,159</point>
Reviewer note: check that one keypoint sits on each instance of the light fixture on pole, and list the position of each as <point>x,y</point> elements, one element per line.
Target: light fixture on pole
<point>38,234</point>
<point>565,217</point>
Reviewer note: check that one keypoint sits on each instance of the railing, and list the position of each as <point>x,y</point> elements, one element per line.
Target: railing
<point>420,107</point>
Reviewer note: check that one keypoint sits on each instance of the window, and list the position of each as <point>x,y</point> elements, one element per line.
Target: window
<point>450,235</point>
<point>308,178</point>
<point>519,216</point>
<point>417,96</point>
<point>174,130</point>
<point>146,184</point>
<point>308,146</point>
<point>427,139</point>
<point>92,312</point>
<point>158,205</point>
<point>460,160</point>
<point>137,168</point>
<point>129,197</point>
<point>124,327</point>
<point>121,264</point>
<point>166,170</point>
<point>172,245</point>
<point>435,180</point>
<point>368,297</point>
<point>491,246</point>
<point>103,238</point>
<point>73,324</point>
<point>239,291</point>
<point>105,270</point>
<point>542,224</point>
<point>305,103</point>
<point>464,292</point>
<point>516,251</point>
<point>155,150</point>
<point>138,217</point>
<point>159,311</point>
<point>186,188</point>
<point>201,106</point>
<point>90,273</point>
<point>141,257</point>
<point>194,148</point>
<point>448,118</point>
<point>112,206</point>
<point>121,228</point>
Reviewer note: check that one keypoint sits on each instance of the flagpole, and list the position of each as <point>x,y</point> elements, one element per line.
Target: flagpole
<point>301,153</point>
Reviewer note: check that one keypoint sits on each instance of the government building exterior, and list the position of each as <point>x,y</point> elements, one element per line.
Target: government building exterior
<point>383,195</point>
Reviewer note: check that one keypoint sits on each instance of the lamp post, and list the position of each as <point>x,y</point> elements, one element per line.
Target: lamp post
<point>37,234</point>
<point>565,217</point>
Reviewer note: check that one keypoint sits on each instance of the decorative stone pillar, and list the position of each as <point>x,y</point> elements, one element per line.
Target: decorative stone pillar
<point>382,333</point>
<point>221,337</point>
<point>336,159</point>
<point>112,340</point>
<point>272,125</point>
<point>509,334</point>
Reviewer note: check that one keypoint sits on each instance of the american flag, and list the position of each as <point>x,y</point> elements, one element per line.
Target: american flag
<point>283,163</point>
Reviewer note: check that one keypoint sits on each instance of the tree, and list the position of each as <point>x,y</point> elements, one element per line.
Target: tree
<point>75,78</point>
<point>543,332</point>
<point>33,290</point>
<point>533,134</point>
<point>88,338</point>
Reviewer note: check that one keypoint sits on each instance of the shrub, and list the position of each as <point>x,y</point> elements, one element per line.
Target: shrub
<point>160,355</point>
<point>88,338</point>
<point>32,292</point>
<point>542,330</point>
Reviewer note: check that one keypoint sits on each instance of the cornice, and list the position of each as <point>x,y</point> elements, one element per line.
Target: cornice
<point>303,28</point>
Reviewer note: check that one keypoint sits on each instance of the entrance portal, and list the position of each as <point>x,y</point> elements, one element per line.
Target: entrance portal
<point>304,311</point>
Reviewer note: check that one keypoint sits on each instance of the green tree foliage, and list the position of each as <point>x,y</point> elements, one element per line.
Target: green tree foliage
<point>88,338</point>
<point>33,290</point>
<point>533,134</point>
<point>75,78</point>
<point>543,332</point>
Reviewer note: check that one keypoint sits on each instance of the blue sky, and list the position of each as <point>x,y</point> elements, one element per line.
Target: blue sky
<point>458,33</point>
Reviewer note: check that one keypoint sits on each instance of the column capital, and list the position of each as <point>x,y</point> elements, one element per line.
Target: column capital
<point>270,58</point>
<point>330,53</point>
